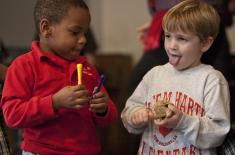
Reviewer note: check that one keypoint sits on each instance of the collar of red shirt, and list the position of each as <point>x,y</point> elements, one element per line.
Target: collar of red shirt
<point>56,60</point>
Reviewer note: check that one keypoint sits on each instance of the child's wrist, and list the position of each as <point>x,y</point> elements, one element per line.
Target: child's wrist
<point>55,103</point>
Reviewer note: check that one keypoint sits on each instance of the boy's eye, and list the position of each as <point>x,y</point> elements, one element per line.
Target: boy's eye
<point>182,39</point>
<point>167,36</point>
<point>75,32</point>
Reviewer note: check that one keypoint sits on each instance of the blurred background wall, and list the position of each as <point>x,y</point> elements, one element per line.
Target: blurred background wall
<point>114,23</point>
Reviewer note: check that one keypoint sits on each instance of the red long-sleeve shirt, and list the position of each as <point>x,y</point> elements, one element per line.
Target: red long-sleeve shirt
<point>26,102</point>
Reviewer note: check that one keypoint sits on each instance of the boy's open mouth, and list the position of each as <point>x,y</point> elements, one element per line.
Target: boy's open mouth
<point>174,59</point>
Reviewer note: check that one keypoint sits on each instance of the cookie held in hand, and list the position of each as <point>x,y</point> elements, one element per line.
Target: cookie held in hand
<point>160,110</point>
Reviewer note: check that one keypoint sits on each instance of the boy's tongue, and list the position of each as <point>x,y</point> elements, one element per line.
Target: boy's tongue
<point>174,60</point>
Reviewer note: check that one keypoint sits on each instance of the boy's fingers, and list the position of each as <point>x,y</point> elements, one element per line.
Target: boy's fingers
<point>100,109</point>
<point>98,105</point>
<point>78,106</point>
<point>76,87</point>
<point>99,95</point>
<point>82,93</point>
<point>80,101</point>
<point>95,89</point>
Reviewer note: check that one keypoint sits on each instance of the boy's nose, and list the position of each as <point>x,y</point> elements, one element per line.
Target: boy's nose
<point>173,45</point>
<point>82,40</point>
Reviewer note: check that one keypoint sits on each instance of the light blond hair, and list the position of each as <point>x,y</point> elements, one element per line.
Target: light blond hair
<point>193,16</point>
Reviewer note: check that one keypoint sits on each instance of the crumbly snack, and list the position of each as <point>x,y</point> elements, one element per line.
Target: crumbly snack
<point>160,110</point>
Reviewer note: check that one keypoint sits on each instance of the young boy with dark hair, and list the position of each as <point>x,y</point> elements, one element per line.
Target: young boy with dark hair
<point>41,94</point>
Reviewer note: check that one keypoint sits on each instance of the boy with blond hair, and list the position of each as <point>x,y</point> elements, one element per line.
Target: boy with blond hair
<point>198,93</point>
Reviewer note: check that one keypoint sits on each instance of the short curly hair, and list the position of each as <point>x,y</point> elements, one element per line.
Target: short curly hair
<point>54,10</point>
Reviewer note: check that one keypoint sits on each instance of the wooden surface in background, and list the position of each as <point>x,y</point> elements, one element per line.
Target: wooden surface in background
<point>115,138</point>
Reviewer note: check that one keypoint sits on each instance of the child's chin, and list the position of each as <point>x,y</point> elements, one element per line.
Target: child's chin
<point>177,67</point>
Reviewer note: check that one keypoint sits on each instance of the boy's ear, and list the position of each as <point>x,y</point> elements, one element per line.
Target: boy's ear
<point>45,28</point>
<point>206,44</point>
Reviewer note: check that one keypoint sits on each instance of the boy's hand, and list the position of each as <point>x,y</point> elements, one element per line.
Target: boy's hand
<point>70,97</point>
<point>172,121</point>
<point>140,117</point>
<point>98,103</point>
